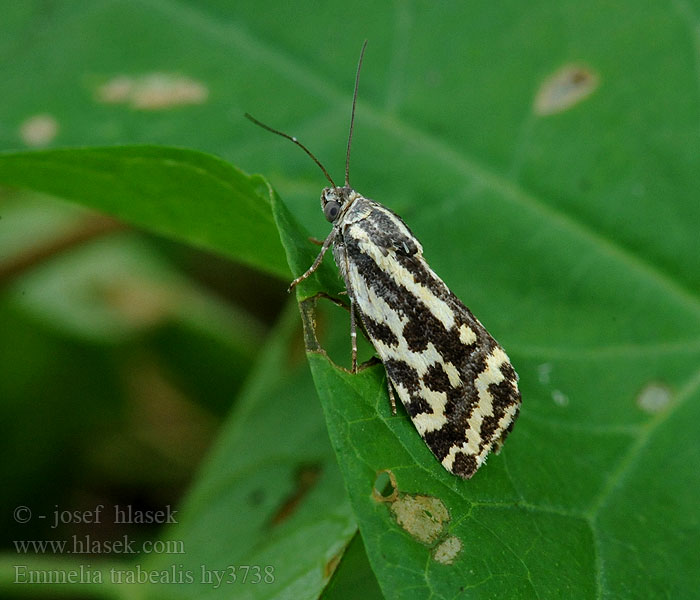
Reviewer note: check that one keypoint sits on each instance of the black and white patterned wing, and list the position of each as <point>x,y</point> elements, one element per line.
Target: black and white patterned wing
<point>453,378</point>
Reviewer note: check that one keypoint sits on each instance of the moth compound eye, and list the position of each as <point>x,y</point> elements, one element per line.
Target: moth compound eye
<point>331,210</point>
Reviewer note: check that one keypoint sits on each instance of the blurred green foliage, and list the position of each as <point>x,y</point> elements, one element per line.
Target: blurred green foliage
<point>546,155</point>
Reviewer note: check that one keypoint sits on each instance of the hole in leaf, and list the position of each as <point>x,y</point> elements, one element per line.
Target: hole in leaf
<point>327,330</point>
<point>385,488</point>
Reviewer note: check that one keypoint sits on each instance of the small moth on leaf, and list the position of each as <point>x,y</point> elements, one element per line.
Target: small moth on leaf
<point>453,378</point>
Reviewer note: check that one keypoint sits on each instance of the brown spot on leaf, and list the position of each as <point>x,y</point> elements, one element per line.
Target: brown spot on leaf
<point>330,567</point>
<point>424,517</point>
<point>161,416</point>
<point>565,88</point>
<point>152,91</point>
<point>85,230</point>
<point>38,130</point>
<point>306,478</point>
<point>139,301</point>
<point>296,353</point>
<point>654,398</point>
<point>446,551</point>
<point>308,319</point>
<point>560,398</point>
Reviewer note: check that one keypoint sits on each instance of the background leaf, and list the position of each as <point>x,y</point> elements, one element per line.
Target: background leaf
<point>283,507</point>
<point>572,235</point>
<point>184,194</point>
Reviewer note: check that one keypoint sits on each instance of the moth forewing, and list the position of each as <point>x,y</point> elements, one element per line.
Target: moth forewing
<point>453,378</point>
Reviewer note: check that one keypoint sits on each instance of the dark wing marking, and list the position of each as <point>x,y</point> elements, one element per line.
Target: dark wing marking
<point>453,378</point>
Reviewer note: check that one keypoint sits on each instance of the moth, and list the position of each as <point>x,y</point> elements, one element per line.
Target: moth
<point>454,380</point>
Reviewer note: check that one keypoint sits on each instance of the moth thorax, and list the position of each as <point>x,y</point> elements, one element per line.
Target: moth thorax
<point>335,200</point>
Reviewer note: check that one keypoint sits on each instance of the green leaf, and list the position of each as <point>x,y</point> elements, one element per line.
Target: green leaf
<point>602,328</point>
<point>301,253</point>
<point>183,194</point>
<point>354,577</point>
<point>282,507</point>
<point>572,235</point>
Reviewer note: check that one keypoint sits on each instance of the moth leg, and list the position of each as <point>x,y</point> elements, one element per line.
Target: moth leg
<point>353,335</point>
<point>392,397</point>
<point>332,299</point>
<point>370,362</point>
<point>326,244</point>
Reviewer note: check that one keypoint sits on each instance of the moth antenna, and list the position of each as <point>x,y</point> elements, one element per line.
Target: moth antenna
<point>352,116</point>
<point>296,141</point>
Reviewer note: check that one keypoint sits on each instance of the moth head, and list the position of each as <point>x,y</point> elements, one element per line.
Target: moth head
<point>334,201</point>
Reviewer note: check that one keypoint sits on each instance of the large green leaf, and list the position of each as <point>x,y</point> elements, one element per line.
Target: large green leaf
<point>604,332</point>
<point>188,195</point>
<point>572,236</point>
